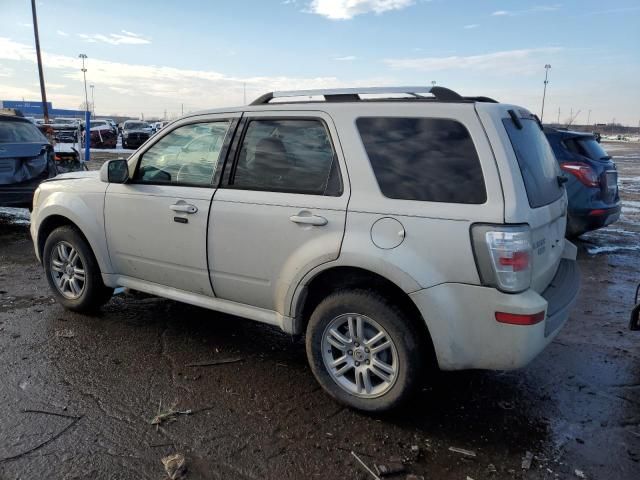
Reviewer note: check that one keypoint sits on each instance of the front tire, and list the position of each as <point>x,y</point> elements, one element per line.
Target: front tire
<point>73,272</point>
<point>364,351</point>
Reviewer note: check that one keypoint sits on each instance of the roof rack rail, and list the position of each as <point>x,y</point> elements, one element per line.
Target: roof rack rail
<point>441,94</point>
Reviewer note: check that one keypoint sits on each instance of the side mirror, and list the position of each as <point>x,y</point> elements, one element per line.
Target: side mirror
<point>115,171</point>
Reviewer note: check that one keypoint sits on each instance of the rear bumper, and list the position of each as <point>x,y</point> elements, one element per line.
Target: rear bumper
<point>582,221</point>
<point>20,195</point>
<point>466,335</point>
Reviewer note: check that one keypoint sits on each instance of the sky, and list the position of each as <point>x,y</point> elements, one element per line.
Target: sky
<point>151,57</point>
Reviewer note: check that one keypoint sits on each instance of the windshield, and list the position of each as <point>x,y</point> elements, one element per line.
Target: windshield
<point>20,132</point>
<point>537,162</point>
<point>135,125</point>
<point>65,121</point>
<point>99,123</point>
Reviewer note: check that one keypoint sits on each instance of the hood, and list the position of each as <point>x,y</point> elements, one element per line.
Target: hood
<point>137,130</point>
<point>84,175</point>
<point>12,150</point>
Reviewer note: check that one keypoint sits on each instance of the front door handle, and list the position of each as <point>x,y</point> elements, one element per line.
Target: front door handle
<point>184,208</point>
<point>308,219</point>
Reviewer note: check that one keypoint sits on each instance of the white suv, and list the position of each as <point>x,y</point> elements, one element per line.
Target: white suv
<point>393,226</point>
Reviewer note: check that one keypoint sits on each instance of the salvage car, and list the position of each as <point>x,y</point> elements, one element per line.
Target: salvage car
<point>592,187</point>
<point>26,159</point>
<point>102,135</point>
<point>394,233</point>
<point>135,133</point>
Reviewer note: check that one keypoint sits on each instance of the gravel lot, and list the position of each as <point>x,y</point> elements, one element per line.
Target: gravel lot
<point>576,408</point>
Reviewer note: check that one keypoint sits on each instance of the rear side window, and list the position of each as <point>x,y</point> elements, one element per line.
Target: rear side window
<point>536,160</point>
<point>287,155</point>
<point>425,159</point>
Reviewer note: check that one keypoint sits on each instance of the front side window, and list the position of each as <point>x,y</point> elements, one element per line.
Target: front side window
<point>424,159</point>
<point>188,155</point>
<point>294,156</point>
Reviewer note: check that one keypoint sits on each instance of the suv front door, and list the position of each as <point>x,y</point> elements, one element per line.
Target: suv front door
<point>281,209</point>
<point>156,224</point>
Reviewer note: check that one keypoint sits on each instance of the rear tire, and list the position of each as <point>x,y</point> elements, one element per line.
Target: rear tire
<point>350,364</point>
<point>73,272</point>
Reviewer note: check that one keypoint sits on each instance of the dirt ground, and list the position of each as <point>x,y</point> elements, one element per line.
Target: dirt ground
<point>78,393</point>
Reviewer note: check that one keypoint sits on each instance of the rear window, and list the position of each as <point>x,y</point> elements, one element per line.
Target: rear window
<point>13,131</point>
<point>587,147</point>
<point>537,162</point>
<point>425,159</point>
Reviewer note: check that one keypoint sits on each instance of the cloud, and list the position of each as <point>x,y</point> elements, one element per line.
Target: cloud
<point>536,9</point>
<point>62,33</point>
<point>509,61</point>
<point>124,38</point>
<point>348,58</point>
<point>469,27</point>
<point>149,87</point>
<point>347,9</point>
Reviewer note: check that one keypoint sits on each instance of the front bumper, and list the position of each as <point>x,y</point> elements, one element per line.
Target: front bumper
<point>466,335</point>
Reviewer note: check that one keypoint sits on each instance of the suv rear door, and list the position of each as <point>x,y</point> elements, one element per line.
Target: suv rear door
<point>535,195</point>
<point>281,208</point>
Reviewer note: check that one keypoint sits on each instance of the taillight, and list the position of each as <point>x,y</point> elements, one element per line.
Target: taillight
<point>582,172</point>
<point>503,256</point>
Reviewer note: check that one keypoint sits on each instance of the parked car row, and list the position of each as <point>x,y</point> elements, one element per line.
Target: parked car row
<point>395,234</point>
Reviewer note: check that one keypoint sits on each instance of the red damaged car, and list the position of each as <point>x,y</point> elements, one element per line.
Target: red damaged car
<point>102,135</point>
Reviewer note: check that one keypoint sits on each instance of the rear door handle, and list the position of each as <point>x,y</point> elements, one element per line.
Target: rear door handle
<point>308,219</point>
<point>184,208</point>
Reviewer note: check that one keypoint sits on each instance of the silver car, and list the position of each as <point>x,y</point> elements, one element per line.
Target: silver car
<point>397,228</point>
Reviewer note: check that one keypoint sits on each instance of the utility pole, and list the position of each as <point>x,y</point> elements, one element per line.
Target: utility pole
<point>43,93</point>
<point>558,116</point>
<point>433,83</point>
<point>182,109</point>
<point>165,114</point>
<point>588,117</point>
<point>544,93</point>
<point>244,93</point>
<point>84,73</point>
<point>93,101</point>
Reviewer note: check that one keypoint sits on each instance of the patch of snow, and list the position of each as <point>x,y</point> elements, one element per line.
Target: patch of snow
<point>19,216</point>
<point>612,249</point>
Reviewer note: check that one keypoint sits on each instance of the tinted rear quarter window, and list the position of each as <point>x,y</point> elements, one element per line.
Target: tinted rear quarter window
<point>424,159</point>
<point>536,160</point>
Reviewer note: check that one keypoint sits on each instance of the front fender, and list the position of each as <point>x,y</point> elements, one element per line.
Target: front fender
<point>86,212</point>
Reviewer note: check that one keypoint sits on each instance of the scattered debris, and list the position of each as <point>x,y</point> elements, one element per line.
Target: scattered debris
<point>389,469</point>
<point>506,405</point>
<point>579,473</point>
<point>175,465</point>
<point>491,469</point>
<point>376,477</point>
<point>168,416</point>
<point>65,333</point>
<point>210,363</point>
<point>46,442</point>
<point>526,461</point>
<point>466,453</point>
<point>413,476</point>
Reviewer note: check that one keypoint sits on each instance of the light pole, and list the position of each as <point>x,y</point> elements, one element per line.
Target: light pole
<point>93,101</point>
<point>43,93</point>
<point>433,83</point>
<point>589,117</point>
<point>84,73</point>
<point>544,93</point>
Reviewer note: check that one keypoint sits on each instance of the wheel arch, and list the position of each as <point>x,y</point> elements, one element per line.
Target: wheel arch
<point>58,219</point>
<point>343,277</point>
